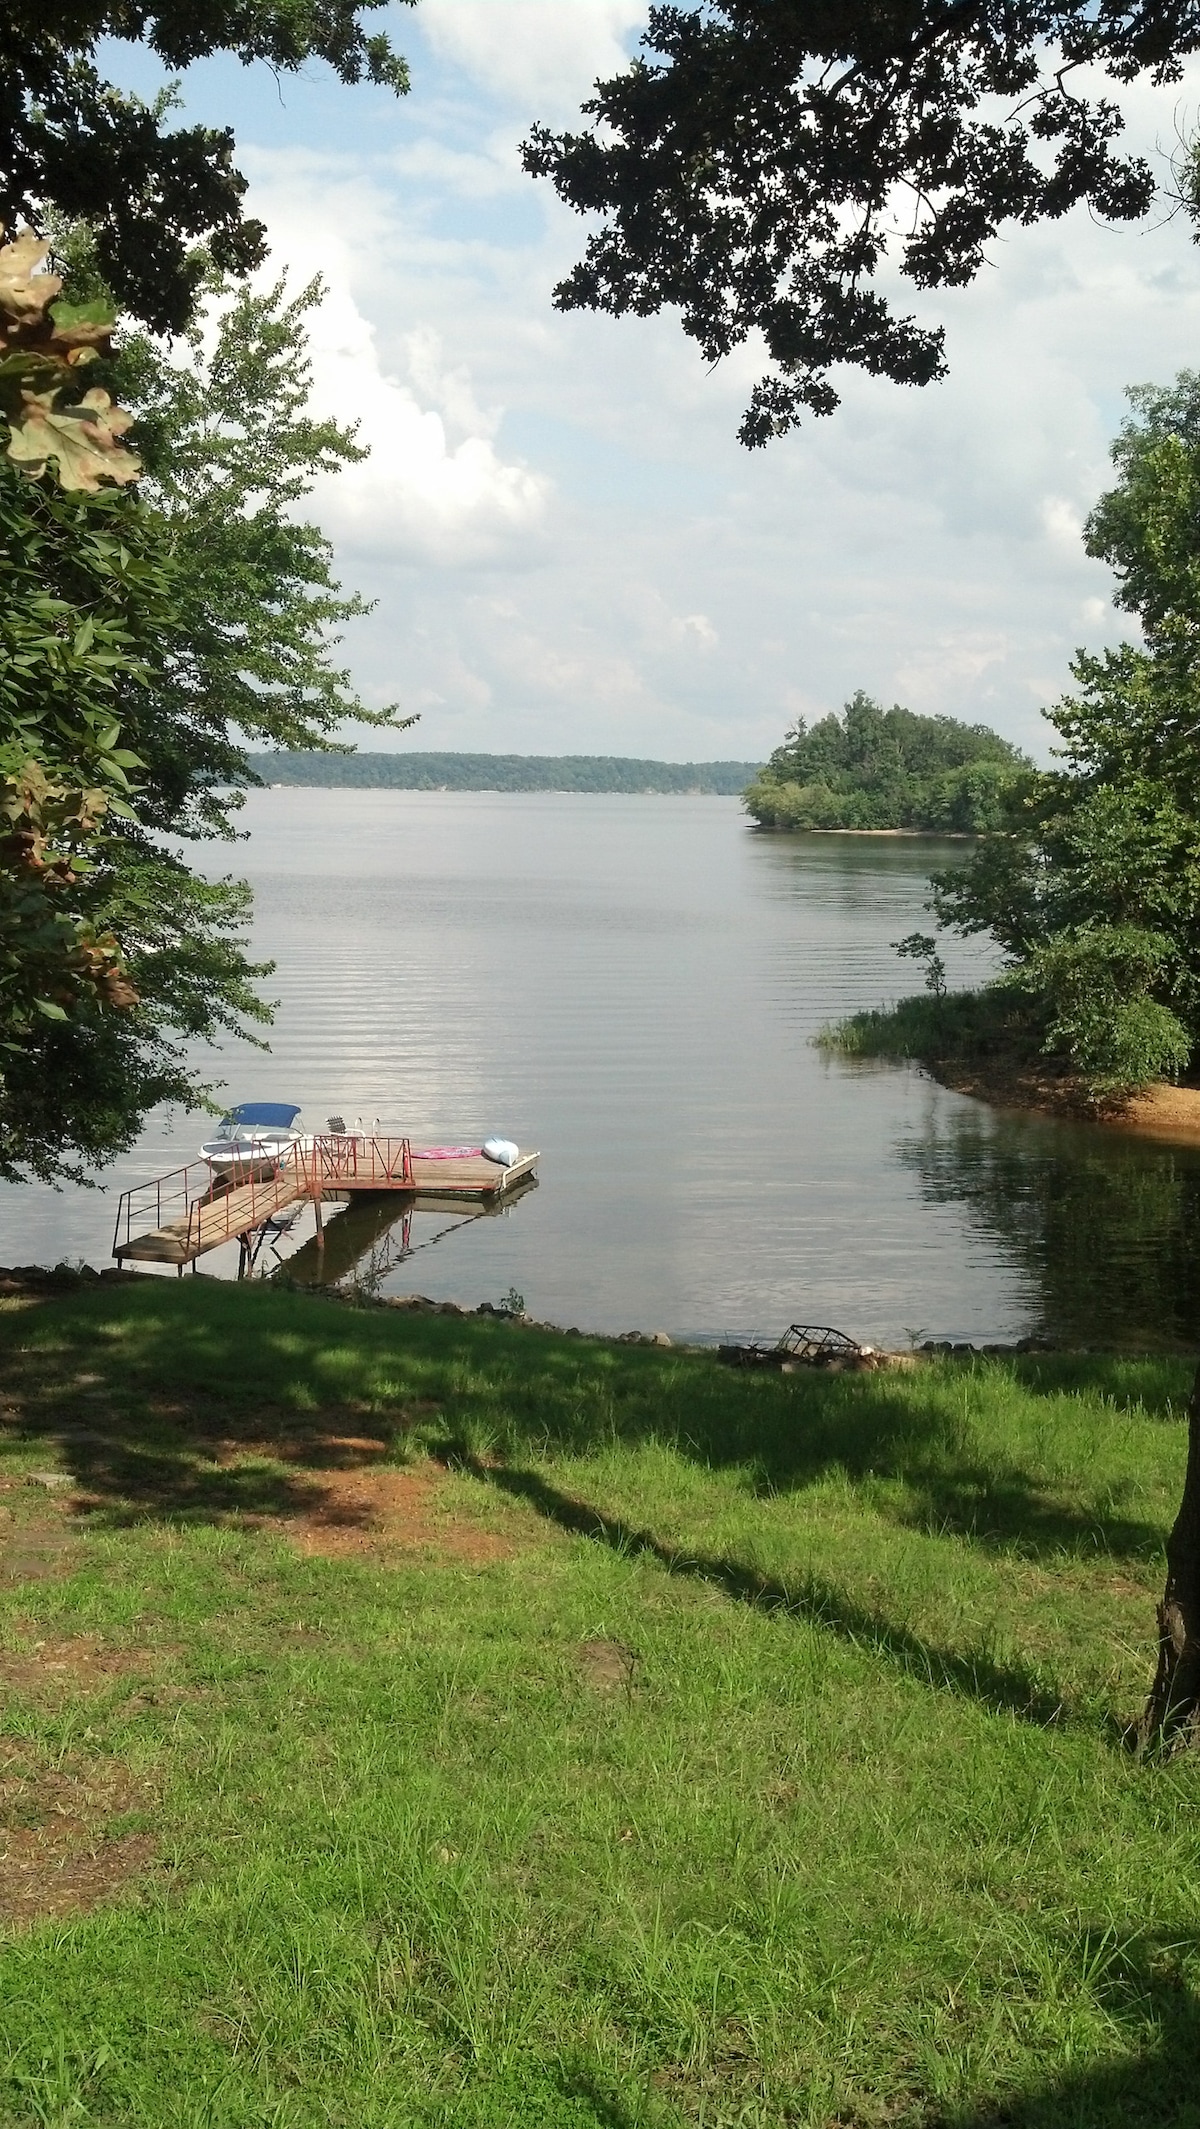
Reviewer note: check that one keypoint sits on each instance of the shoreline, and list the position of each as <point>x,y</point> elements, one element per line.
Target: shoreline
<point>1166,1113</point>
<point>913,835</point>
<point>22,1284</point>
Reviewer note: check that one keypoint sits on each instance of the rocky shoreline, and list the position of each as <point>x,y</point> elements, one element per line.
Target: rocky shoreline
<point>40,1281</point>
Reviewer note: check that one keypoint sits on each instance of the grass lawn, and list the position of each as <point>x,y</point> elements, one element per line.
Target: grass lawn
<point>419,1720</point>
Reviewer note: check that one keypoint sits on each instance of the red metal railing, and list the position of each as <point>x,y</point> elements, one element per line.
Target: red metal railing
<point>254,1193</point>
<point>193,1197</point>
<point>156,1204</point>
<point>364,1160</point>
<point>196,1198</point>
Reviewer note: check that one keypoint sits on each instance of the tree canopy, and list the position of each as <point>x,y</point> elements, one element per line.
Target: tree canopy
<point>877,768</point>
<point>764,161</point>
<point>71,140</point>
<point>1093,887</point>
<point>229,450</point>
<point>183,618</point>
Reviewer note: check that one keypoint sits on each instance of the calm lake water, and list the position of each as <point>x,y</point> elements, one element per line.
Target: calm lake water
<point>632,984</point>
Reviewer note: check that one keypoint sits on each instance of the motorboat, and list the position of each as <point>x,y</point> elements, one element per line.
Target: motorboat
<point>256,1135</point>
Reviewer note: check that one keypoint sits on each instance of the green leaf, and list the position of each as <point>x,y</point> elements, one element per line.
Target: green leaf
<point>99,312</point>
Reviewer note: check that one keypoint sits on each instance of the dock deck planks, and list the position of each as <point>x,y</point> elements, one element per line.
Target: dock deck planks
<point>472,1177</point>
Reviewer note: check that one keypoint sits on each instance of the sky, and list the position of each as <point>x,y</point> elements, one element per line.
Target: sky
<point>569,550</point>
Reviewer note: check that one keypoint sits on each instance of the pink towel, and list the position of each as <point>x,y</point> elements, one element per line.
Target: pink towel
<point>446,1153</point>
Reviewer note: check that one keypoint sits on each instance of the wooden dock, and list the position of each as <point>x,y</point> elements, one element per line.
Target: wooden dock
<point>182,1216</point>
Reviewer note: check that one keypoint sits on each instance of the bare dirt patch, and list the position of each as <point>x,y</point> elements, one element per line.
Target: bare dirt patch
<point>62,1847</point>
<point>316,1450</point>
<point>1164,1112</point>
<point>55,1670</point>
<point>607,1665</point>
<point>35,1548</point>
<point>363,1513</point>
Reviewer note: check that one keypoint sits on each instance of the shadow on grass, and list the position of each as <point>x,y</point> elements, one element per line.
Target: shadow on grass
<point>1004,1688</point>
<point>211,1471</point>
<point>1142,1987</point>
<point>135,1380</point>
<point>869,1429</point>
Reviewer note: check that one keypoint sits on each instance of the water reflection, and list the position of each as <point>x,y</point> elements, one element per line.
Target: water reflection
<point>374,1236</point>
<point>1103,1229</point>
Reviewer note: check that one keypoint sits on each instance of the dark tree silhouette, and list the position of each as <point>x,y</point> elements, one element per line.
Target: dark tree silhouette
<point>1171,1718</point>
<point>760,163</point>
<point>151,192</point>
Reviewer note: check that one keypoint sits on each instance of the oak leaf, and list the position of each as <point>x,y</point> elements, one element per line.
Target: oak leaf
<point>25,293</point>
<point>83,439</point>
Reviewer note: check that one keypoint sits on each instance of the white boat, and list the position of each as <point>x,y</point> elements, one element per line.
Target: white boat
<point>257,1134</point>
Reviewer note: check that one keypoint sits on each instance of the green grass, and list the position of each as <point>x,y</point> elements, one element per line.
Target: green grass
<point>992,1025</point>
<point>855,1843</point>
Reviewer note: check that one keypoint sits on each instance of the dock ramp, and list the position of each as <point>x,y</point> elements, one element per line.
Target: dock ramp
<point>181,1216</point>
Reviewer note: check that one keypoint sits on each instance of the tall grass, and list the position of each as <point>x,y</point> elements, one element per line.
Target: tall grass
<point>966,1026</point>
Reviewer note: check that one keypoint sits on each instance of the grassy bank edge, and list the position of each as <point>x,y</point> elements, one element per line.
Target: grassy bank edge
<point>981,1043</point>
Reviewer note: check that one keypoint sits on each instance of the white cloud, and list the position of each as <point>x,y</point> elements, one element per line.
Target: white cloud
<point>468,174</point>
<point>1063,523</point>
<point>650,587</point>
<point>695,628</point>
<point>540,56</point>
<point>434,488</point>
<point>936,678</point>
<point>419,497</point>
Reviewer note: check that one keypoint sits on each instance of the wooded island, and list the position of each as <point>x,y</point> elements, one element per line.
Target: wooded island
<point>877,768</point>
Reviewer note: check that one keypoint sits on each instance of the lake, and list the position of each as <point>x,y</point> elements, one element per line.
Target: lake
<point>632,985</point>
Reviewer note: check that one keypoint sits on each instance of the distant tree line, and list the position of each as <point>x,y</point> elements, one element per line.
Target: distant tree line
<point>877,768</point>
<point>504,772</point>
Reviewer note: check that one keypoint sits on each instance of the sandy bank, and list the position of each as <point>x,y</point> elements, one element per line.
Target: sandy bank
<point>1168,1113</point>
<point>1163,1112</point>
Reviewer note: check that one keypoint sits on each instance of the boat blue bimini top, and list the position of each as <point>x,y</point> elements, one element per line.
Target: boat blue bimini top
<point>280,1115</point>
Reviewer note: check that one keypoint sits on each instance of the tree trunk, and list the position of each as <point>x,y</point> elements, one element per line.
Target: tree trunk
<point>1172,1714</point>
